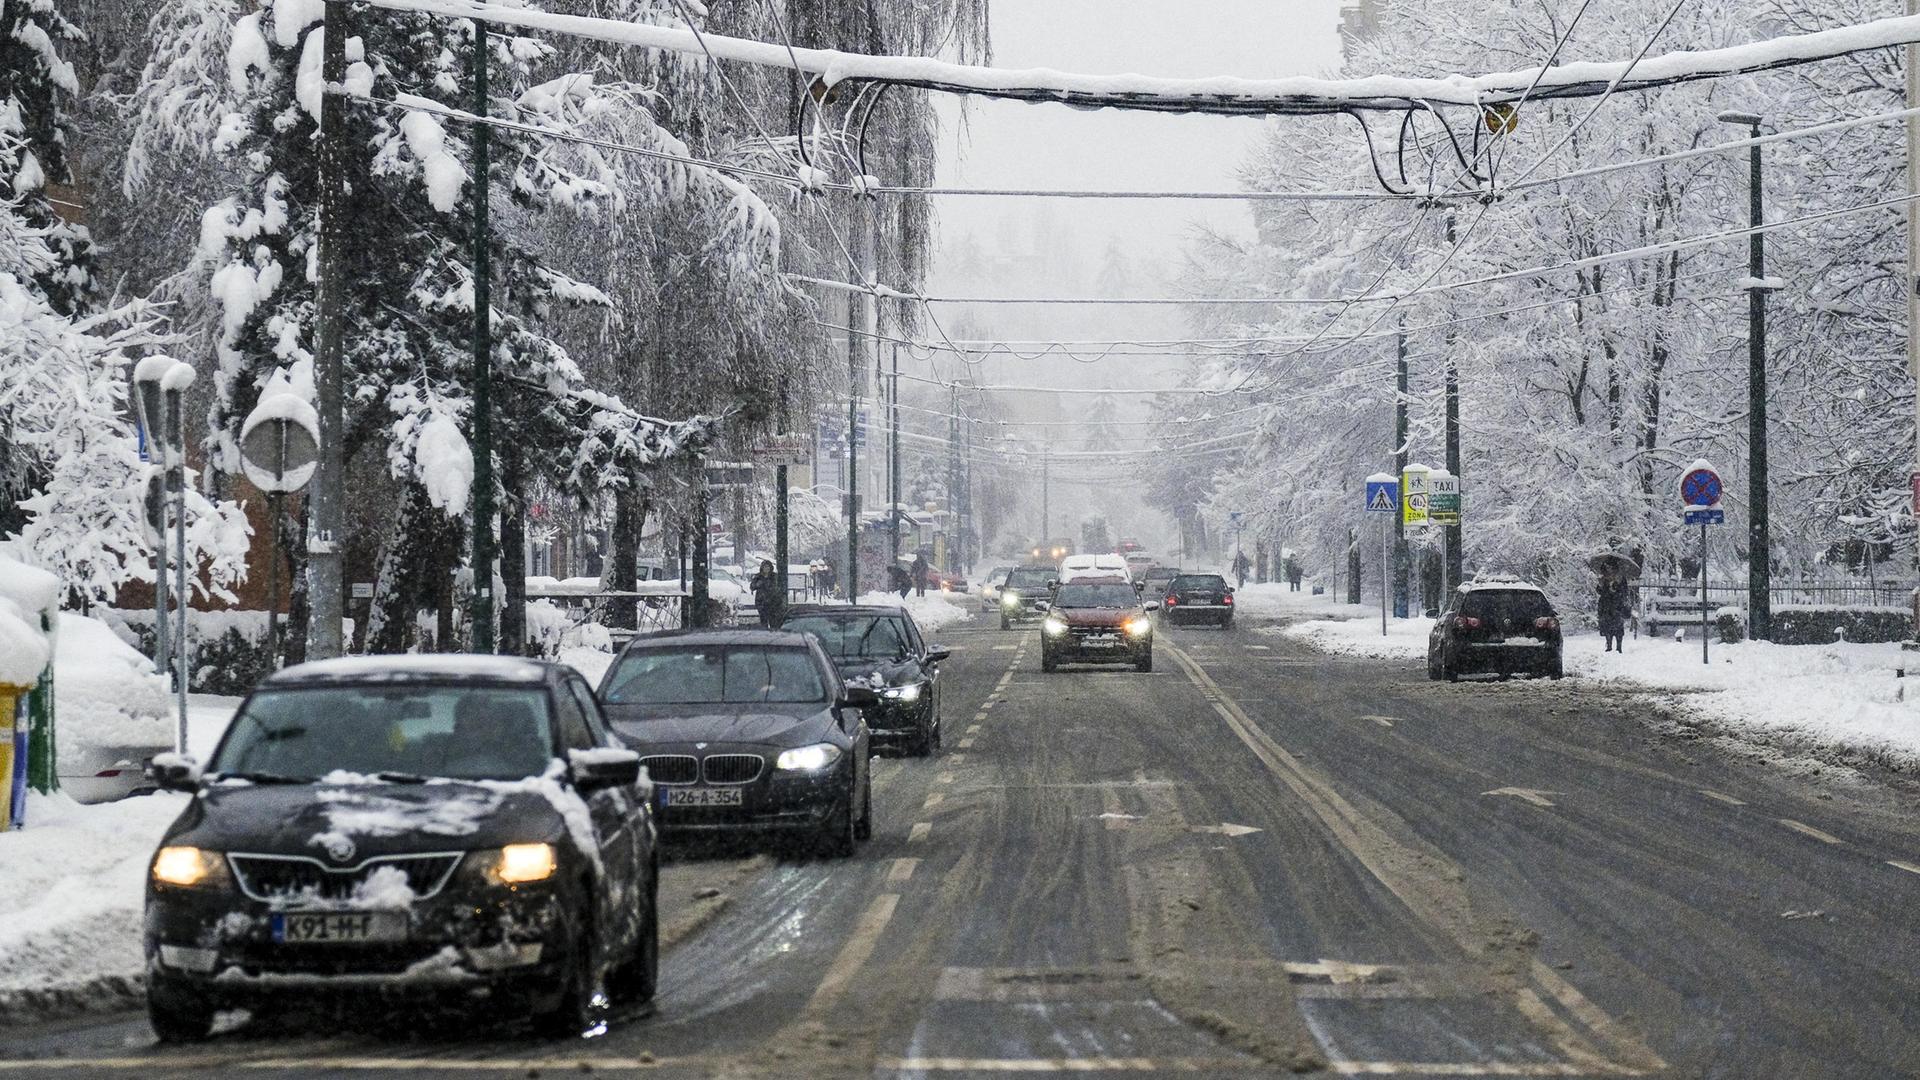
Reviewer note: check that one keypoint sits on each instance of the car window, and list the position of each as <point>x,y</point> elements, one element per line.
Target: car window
<point>1085,596</point>
<point>914,641</point>
<point>854,636</point>
<point>596,723</point>
<point>714,674</point>
<point>456,732</point>
<point>1198,581</point>
<point>1030,578</point>
<point>1505,605</point>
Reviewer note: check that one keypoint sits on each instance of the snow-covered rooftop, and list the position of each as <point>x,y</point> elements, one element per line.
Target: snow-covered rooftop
<point>419,666</point>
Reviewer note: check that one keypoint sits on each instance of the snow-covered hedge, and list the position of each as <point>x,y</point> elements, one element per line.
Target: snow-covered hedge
<point>1810,624</point>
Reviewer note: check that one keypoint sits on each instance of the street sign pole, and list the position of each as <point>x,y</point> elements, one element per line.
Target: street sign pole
<point>1703,590</point>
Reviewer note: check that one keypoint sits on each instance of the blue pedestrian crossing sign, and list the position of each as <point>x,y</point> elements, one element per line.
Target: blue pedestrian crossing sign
<point>1383,494</point>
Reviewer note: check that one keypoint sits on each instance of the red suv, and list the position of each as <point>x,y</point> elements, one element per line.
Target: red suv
<point>1097,621</point>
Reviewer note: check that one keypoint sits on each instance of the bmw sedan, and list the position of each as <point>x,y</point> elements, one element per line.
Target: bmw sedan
<point>881,646</point>
<point>462,829</point>
<point>746,731</point>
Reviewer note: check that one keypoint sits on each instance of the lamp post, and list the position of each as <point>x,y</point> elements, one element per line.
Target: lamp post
<point>1759,560</point>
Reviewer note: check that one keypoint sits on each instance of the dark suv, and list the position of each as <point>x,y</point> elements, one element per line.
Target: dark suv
<point>1100,621</point>
<point>882,645</point>
<point>1496,628</point>
<point>1199,598</point>
<point>1020,596</point>
<point>462,826</point>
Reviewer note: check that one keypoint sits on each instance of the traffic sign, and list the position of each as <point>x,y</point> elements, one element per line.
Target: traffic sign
<point>1383,494</point>
<point>280,443</point>
<point>1706,517</point>
<point>1415,492</point>
<point>1700,485</point>
<point>788,449</point>
<point>1443,498</point>
<point>729,474</point>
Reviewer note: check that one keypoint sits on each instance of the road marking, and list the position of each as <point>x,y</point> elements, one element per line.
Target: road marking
<point>901,870</point>
<point>944,778</point>
<point>1224,829</point>
<point>988,704</point>
<point>933,800</point>
<point>957,759</point>
<point>854,954</point>
<point>1532,795</point>
<point>919,831</point>
<point>1261,648</point>
<point>1728,799</point>
<point>1907,866</point>
<point>1805,829</point>
<point>1477,1068</point>
<point>979,716</point>
<point>974,730</point>
<point>1005,648</point>
<point>966,743</point>
<point>1383,721</point>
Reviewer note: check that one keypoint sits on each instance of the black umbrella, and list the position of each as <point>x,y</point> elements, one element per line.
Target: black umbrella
<point>1613,560</point>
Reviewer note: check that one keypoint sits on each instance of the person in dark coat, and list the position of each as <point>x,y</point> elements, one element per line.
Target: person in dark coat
<point>900,580</point>
<point>1615,606</point>
<point>920,572</point>
<point>767,594</point>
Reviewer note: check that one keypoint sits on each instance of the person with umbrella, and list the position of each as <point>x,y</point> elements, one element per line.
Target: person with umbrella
<point>1615,600</point>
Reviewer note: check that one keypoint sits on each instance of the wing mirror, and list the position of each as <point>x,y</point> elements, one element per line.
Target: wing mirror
<point>603,768</point>
<point>1043,605</point>
<point>859,697</point>
<point>175,772</point>
<point>1433,613</point>
<point>1153,605</point>
<point>937,653</point>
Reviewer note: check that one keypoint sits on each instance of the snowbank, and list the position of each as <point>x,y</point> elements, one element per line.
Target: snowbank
<point>932,611</point>
<point>105,694</point>
<point>1274,600</point>
<point>1405,639</point>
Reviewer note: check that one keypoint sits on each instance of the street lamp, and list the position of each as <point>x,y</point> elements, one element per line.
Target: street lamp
<point>1759,547</point>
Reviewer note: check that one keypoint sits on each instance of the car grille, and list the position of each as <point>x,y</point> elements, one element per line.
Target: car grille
<point>732,768</point>
<point>672,768</point>
<point>289,877</point>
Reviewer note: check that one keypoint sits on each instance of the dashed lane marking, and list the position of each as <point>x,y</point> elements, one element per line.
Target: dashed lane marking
<point>988,704</point>
<point>974,729</point>
<point>944,778</point>
<point>1805,829</point>
<point>854,954</point>
<point>1901,865</point>
<point>1260,648</point>
<point>1005,648</point>
<point>958,759</point>
<point>901,870</point>
<point>919,831</point>
<point>966,743</point>
<point>1728,799</point>
<point>933,800</point>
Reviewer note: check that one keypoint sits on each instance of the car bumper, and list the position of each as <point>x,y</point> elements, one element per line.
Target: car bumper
<point>1020,612</point>
<point>496,943</point>
<point>1197,613</point>
<point>1069,649</point>
<point>1505,656</point>
<point>899,722</point>
<point>775,802</point>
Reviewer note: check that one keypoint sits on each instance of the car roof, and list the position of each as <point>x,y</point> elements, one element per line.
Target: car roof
<point>844,609</point>
<point>1494,584</point>
<point>1098,579</point>
<point>722,636</point>
<point>420,667</point>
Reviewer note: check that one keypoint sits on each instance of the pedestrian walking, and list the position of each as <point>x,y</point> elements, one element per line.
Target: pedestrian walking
<point>900,580</point>
<point>1615,606</point>
<point>1240,567</point>
<point>920,572</point>
<point>767,594</point>
<point>1293,574</point>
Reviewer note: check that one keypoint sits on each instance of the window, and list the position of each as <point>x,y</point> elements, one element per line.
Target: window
<point>1202,582</point>
<point>591,708</point>
<point>1096,596</point>
<point>715,674</point>
<point>1505,607</point>
<point>457,732</point>
<point>575,734</point>
<point>855,637</point>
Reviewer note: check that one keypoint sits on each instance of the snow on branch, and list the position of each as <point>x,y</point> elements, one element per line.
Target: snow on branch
<point>1216,94</point>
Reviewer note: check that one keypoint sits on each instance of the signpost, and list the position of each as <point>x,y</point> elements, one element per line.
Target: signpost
<point>280,451</point>
<point>1443,509</point>
<point>1416,495</point>
<point>1383,498</point>
<point>1700,491</point>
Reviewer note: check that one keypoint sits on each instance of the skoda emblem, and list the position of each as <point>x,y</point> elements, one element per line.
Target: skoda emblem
<point>338,848</point>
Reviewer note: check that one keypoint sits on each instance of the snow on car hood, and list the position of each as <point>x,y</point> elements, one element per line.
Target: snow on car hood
<point>376,818</point>
<point>877,673</point>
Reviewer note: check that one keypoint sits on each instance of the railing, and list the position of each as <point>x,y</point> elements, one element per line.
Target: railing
<point>1827,594</point>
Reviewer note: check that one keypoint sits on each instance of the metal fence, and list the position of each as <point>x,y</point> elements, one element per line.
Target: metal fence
<point>1825,594</point>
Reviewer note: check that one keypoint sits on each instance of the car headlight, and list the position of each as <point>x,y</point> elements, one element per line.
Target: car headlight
<point>517,864</point>
<point>909,692</point>
<point>807,758</point>
<point>1054,627</point>
<point>1010,598</point>
<point>1139,626</point>
<point>188,867</point>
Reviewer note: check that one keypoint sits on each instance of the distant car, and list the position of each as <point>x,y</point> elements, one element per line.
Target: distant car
<point>1138,563</point>
<point>1023,596</point>
<point>1497,627</point>
<point>452,827</point>
<point>990,588</point>
<point>1092,566</point>
<point>1198,598</point>
<point>1155,581</point>
<point>746,731</point>
<point>881,645</point>
<point>1097,622</point>
<point>948,581</point>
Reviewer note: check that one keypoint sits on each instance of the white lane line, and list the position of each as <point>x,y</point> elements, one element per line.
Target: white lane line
<point>854,954</point>
<point>1477,1068</point>
<point>944,778</point>
<point>919,831</point>
<point>958,759</point>
<point>1005,648</point>
<point>1260,648</point>
<point>966,743</point>
<point>979,718</point>
<point>1805,829</point>
<point>988,704</point>
<point>901,870</point>
<point>1907,866</point>
<point>933,800</point>
<point>974,730</point>
<point>1032,1065</point>
<point>1728,799</point>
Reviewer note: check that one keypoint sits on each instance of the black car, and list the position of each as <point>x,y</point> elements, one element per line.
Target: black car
<point>1020,596</point>
<point>1198,598</point>
<point>460,827</point>
<point>1496,628</point>
<point>1097,622</point>
<point>881,647</point>
<point>746,731</point>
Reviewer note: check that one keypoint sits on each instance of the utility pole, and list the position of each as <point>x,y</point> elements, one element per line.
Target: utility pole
<point>953,475</point>
<point>1913,260</point>
<point>483,637</point>
<point>1402,559</point>
<point>1046,494</point>
<point>1759,542</point>
<point>1450,538</point>
<point>893,456</point>
<point>701,578</point>
<point>326,593</point>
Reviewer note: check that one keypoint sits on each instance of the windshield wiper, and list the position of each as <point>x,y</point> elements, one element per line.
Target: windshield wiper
<point>400,777</point>
<point>262,777</point>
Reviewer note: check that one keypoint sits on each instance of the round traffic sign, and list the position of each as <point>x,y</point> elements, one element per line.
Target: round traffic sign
<point>280,443</point>
<point>1700,487</point>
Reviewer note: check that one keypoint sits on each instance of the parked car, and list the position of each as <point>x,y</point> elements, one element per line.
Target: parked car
<point>882,647</point>
<point>746,731</point>
<point>1025,595</point>
<point>990,588</point>
<point>1496,627</point>
<point>441,825</point>
<point>1098,621</point>
<point>1199,598</point>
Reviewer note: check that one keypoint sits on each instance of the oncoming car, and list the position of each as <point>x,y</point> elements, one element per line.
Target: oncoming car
<point>1496,627</point>
<point>463,827</point>
<point>990,588</point>
<point>881,645</point>
<point>1025,594</point>
<point>746,731</point>
<point>1097,622</point>
<point>1075,567</point>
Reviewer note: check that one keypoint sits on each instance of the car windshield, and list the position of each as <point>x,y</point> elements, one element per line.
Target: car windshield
<point>456,732</point>
<point>715,675</point>
<point>1029,578</point>
<point>999,575</point>
<point>855,637</point>
<point>1505,605</point>
<point>1200,582</point>
<point>1106,596</point>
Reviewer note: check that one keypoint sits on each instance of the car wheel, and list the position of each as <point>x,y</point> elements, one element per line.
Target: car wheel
<point>1005,623</point>
<point>1447,670</point>
<point>1433,668</point>
<point>573,1012</point>
<point>1226,623</point>
<point>863,829</point>
<point>636,981</point>
<point>1047,662</point>
<point>839,835</point>
<point>178,1016</point>
<point>1145,662</point>
<point>1557,669</point>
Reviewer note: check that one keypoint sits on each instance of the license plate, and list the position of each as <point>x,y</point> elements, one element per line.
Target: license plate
<point>1106,641</point>
<point>703,796</point>
<point>339,927</point>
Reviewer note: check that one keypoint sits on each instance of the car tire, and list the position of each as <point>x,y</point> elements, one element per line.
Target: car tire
<point>863,828</point>
<point>636,981</point>
<point>1557,669</point>
<point>1005,623</point>
<point>573,1012</point>
<point>840,835</point>
<point>1145,662</point>
<point>1433,668</point>
<point>178,1016</point>
<point>1047,662</point>
<point>1447,670</point>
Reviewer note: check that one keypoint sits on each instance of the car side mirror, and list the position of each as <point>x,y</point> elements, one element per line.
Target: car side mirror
<point>1153,605</point>
<point>175,772</point>
<point>859,697</point>
<point>938,653</point>
<point>1043,605</point>
<point>1433,613</point>
<point>603,767</point>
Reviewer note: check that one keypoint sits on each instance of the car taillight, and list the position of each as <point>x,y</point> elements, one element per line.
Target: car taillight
<point>1227,600</point>
<point>1546,623</point>
<point>1465,622</point>
<point>1172,600</point>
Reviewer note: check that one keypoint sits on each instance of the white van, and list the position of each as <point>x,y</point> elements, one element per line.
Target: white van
<point>1086,566</point>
